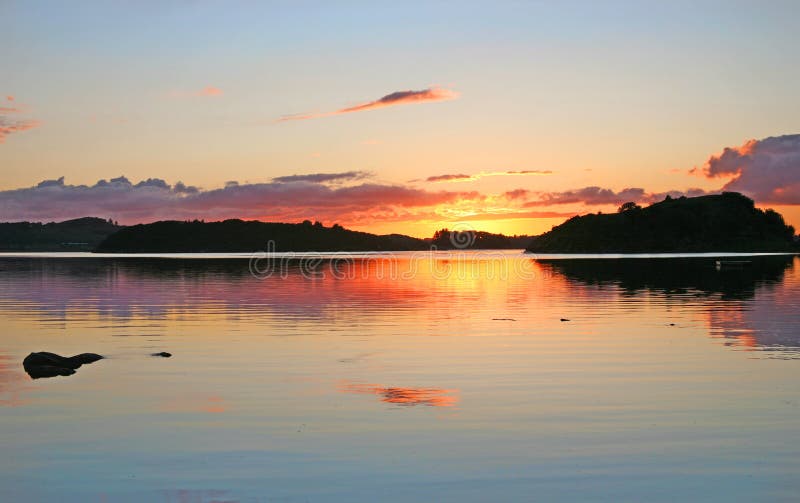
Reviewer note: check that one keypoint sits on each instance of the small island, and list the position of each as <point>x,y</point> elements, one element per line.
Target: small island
<point>728,222</point>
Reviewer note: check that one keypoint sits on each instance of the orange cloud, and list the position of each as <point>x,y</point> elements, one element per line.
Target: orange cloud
<point>210,91</point>
<point>206,92</point>
<point>395,98</point>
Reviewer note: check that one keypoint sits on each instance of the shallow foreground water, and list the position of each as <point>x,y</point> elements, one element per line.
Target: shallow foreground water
<point>411,377</point>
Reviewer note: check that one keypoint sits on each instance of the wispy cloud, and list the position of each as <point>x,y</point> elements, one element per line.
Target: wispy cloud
<point>8,127</point>
<point>448,178</point>
<point>393,99</point>
<point>461,177</point>
<point>206,92</point>
<point>324,177</point>
<point>210,91</point>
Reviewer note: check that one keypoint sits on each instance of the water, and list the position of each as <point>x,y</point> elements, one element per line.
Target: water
<point>402,378</point>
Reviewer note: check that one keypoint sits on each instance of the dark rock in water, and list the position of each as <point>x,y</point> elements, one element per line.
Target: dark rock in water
<point>564,319</point>
<point>39,371</point>
<point>163,354</point>
<point>44,364</point>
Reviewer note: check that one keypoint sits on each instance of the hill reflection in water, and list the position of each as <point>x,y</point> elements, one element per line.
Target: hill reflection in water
<point>749,305</point>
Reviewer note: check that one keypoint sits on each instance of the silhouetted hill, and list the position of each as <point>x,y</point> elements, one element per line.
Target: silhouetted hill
<point>249,236</point>
<point>82,234</point>
<point>728,222</point>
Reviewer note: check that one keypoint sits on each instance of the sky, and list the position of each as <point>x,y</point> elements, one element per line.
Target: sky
<point>385,117</point>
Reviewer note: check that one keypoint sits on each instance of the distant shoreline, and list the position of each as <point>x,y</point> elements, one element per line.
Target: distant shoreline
<point>444,254</point>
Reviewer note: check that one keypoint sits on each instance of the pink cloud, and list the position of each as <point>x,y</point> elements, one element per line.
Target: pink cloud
<point>599,196</point>
<point>767,170</point>
<point>393,99</point>
<point>11,127</point>
<point>206,92</point>
<point>294,199</point>
<point>588,195</point>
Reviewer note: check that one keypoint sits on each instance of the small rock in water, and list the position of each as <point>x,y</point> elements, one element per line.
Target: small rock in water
<point>163,354</point>
<point>85,358</point>
<point>564,319</point>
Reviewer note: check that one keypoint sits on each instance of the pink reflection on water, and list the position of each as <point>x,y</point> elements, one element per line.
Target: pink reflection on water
<point>434,397</point>
<point>13,382</point>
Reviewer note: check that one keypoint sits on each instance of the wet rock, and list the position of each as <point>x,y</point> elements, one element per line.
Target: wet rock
<point>564,319</point>
<point>162,354</point>
<point>44,364</point>
<point>40,371</point>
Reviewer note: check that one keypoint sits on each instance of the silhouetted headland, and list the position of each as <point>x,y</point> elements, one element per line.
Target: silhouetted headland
<point>82,234</point>
<point>247,236</point>
<point>728,222</point>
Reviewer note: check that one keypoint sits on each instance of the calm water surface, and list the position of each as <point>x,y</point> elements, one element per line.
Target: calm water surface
<point>449,378</point>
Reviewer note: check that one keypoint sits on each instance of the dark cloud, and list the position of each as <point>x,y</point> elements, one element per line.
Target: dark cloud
<point>597,196</point>
<point>530,172</point>
<point>447,178</point>
<point>180,188</point>
<point>767,170</point>
<point>324,177</point>
<point>396,98</point>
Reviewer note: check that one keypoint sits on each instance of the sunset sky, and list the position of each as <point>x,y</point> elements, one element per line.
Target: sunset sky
<point>394,117</point>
